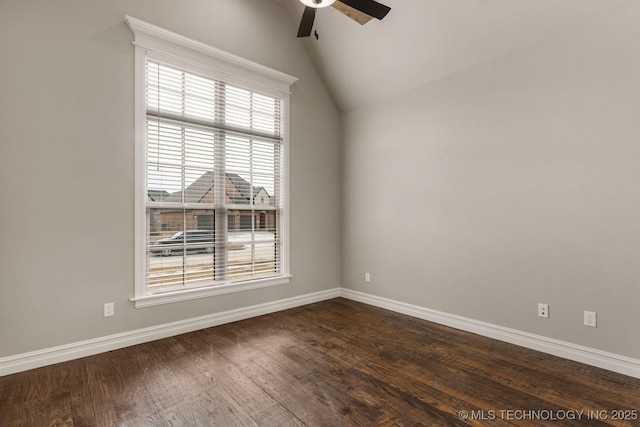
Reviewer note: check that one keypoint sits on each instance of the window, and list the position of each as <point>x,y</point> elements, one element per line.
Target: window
<point>211,175</point>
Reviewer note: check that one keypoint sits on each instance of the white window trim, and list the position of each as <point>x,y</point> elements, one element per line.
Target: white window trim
<point>232,69</point>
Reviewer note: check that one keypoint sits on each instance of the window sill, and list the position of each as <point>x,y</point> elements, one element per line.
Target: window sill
<point>209,291</point>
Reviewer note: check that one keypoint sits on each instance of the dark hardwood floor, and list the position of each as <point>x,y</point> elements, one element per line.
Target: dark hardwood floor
<point>334,363</point>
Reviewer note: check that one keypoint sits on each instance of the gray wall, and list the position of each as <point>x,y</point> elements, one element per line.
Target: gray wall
<point>66,162</point>
<point>505,185</point>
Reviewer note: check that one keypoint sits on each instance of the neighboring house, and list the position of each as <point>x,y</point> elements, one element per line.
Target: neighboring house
<point>238,192</point>
<point>157,195</point>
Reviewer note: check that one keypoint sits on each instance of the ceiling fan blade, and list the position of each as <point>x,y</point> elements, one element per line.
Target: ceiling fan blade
<point>370,7</point>
<point>306,23</point>
<point>355,14</point>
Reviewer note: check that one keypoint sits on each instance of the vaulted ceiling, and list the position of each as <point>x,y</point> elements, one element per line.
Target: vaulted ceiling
<point>423,40</point>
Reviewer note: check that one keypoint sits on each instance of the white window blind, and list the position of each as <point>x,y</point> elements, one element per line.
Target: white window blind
<point>213,159</point>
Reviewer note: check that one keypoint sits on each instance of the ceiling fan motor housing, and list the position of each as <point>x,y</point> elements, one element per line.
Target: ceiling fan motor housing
<point>317,3</point>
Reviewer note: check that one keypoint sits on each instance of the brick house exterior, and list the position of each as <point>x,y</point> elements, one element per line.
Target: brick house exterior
<point>238,191</point>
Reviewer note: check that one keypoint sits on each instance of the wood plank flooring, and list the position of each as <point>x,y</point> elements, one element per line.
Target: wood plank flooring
<point>334,363</point>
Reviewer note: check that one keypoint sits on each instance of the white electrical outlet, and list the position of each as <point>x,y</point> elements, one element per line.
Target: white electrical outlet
<point>367,277</point>
<point>108,309</point>
<point>590,319</point>
<point>543,310</point>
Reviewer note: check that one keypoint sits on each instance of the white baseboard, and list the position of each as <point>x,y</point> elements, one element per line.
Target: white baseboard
<point>590,356</point>
<point>601,359</point>
<point>63,353</point>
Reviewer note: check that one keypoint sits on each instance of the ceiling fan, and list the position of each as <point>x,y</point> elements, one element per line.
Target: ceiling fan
<point>360,11</point>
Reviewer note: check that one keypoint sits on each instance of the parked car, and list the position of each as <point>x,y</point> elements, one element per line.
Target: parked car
<point>192,240</point>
